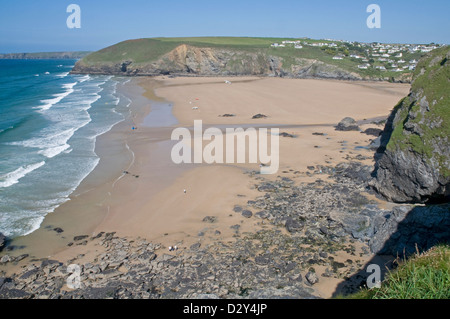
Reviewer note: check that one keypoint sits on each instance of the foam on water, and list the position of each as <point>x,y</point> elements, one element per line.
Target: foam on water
<point>57,97</point>
<point>12,178</point>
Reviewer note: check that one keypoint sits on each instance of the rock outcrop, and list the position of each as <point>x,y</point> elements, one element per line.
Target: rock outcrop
<point>187,60</point>
<point>413,161</point>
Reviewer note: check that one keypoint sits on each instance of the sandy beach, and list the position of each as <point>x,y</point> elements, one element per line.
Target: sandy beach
<point>137,190</point>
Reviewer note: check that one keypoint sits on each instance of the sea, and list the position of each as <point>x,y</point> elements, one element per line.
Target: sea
<point>49,123</point>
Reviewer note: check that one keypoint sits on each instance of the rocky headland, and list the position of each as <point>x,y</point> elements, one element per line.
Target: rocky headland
<point>187,60</point>
<point>413,161</point>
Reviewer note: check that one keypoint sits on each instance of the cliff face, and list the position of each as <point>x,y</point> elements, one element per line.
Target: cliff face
<point>413,163</point>
<point>187,60</point>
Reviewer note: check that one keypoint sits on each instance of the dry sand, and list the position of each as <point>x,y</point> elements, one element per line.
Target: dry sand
<point>154,205</point>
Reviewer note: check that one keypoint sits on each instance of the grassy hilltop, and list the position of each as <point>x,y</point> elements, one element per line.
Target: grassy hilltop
<point>288,57</point>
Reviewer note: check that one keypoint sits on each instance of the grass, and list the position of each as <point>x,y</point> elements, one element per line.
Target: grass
<point>423,276</point>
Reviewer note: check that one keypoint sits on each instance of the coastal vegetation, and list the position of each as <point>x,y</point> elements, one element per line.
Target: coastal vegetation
<point>423,276</point>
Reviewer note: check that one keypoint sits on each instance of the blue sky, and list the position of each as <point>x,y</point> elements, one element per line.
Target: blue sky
<point>35,26</point>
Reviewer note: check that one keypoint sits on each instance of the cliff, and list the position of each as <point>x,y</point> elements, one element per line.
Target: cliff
<point>413,162</point>
<point>188,60</point>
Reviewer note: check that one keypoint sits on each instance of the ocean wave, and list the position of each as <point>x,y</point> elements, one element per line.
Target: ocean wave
<point>13,177</point>
<point>84,78</point>
<point>62,75</point>
<point>57,97</point>
<point>53,144</point>
<point>53,151</point>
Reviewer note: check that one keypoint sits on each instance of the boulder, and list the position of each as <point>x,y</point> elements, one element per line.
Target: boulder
<point>347,124</point>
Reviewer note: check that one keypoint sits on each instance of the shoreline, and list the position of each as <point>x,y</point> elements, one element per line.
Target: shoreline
<point>99,206</point>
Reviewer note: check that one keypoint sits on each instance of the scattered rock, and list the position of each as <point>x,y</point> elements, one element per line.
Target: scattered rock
<point>5,259</point>
<point>247,213</point>
<point>312,278</point>
<point>79,238</point>
<point>210,219</point>
<point>237,209</point>
<point>21,257</point>
<point>293,226</point>
<point>195,246</point>
<point>58,230</point>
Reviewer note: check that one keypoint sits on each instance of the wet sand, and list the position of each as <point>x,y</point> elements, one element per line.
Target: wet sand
<point>149,199</point>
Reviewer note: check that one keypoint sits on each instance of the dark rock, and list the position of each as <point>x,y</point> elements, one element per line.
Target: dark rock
<point>21,257</point>
<point>195,246</point>
<point>284,134</point>
<point>373,131</point>
<point>247,213</point>
<point>285,293</point>
<point>263,260</point>
<point>30,274</point>
<point>98,235</point>
<point>108,292</point>
<point>237,209</point>
<point>2,241</point>
<point>375,144</point>
<point>293,225</point>
<point>125,65</point>
<point>262,214</point>
<point>228,115</point>
<point>210,219</point>
<point>81,237</point>
<point>347,124</point>
<point>312,278</point>
<point>58,230</point>
<point>148,255</point>
<point>259,116</point>
<point>6,293</point>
